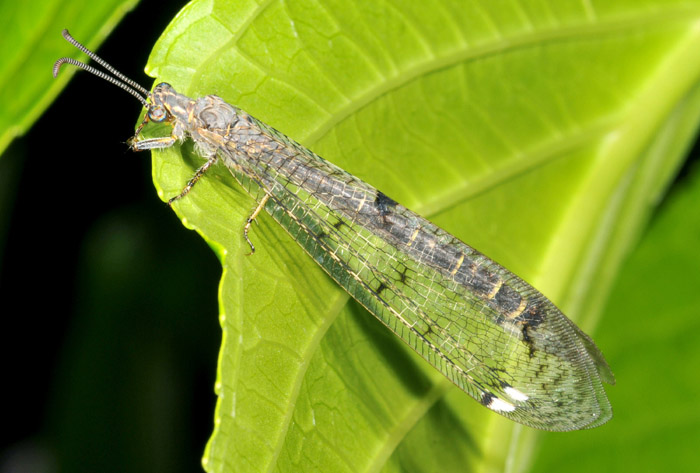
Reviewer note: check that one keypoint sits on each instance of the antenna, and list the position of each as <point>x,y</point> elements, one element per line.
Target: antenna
<point>119,83</point>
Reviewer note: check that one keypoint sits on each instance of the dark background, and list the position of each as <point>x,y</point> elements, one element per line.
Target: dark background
<point>109,304</point>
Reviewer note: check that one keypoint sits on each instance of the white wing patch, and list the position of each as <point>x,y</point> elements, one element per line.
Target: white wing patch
<point>499,405</point>
<point>515,394</point>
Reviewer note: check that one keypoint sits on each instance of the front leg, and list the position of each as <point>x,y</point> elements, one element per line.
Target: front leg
<point>152,143</point>
<point>197,175</point>
<point>137,144</point>
<point>167,142</point>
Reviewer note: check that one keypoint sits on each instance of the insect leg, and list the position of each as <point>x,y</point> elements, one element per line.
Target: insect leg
<point>140,127</point>
<point>251,219</point>
<point>197,175</point>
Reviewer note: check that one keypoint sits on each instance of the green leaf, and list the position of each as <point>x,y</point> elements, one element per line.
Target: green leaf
<point>542,134</point>
<point>651,328</point>
<point>29,32</point>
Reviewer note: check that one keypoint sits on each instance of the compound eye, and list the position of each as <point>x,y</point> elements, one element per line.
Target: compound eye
<point>157,114</point>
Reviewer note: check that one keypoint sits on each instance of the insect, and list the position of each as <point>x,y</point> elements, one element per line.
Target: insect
<point>488,331</point>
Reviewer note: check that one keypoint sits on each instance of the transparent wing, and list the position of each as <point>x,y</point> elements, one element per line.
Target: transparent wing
<point>487,330</point>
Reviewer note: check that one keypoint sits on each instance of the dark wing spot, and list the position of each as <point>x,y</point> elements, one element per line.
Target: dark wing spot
<point>507,300</point>
<point>384,204</point>
<point>339,224</point>
<point>527,340</point>
<point>533,315</point>
<point>402,275</point>
<point>486,398</point>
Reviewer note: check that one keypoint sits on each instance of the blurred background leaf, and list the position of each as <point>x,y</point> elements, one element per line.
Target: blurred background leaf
<point>650,325</point>
<point>109,342</point>
<point>29,43</point>
<point>26,85</point>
